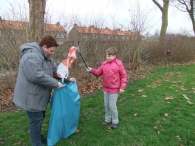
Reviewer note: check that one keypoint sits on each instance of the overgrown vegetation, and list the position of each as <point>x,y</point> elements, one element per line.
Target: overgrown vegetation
<point>155,110</point>
<point>130,52</point>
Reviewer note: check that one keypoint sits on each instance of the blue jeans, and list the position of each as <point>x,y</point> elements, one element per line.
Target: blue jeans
<point>36,120</point>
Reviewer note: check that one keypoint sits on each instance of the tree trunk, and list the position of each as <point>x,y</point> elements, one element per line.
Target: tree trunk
<point>164,21</point>
<point>193,22</point>
<point>189,8</point>
<point>36,20</point>
<point>164,24</point>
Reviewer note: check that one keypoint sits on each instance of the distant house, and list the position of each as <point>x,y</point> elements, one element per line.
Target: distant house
<point>17,31</point>
<point>57,31</point>
<point>104,34</point>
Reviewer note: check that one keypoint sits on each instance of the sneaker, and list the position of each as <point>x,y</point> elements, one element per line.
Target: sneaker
<point>105,123</point>
<point>114,126</point>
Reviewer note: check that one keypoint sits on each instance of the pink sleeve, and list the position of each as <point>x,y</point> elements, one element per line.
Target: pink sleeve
<point>97,72</point>
<point>123,76</point>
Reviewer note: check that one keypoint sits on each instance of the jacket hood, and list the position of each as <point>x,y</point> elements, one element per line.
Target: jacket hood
<point>33,47</point>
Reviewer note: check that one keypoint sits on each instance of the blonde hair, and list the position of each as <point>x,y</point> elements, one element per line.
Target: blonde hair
<point>112,51</point>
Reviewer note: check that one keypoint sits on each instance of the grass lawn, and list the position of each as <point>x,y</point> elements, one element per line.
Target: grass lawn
<point>157,110</point>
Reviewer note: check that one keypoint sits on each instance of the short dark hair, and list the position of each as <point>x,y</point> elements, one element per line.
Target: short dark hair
<point>49,41</point>
<point>112,51</point>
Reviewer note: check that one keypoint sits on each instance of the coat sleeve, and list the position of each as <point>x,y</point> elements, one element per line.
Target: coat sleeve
<point>54,68</point>
<point>123,76</point>
<point>33,70</point>
<point>97,72</point>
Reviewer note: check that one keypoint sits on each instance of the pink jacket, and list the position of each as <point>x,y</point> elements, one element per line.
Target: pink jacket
<point>114,75</point>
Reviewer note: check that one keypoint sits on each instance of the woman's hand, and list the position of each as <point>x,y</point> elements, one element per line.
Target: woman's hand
<point>60,85</point>
<point>72,79</point>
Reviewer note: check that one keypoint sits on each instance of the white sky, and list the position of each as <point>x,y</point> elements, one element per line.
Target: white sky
<point>107,13</point>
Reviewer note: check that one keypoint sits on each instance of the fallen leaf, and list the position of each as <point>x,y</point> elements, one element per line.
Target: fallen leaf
<point>178,107</point>
<point>17,143</point>
<point>144,95</point>
<point>140,90</point>
<point>182,88</point>
<point>109,128</point>
<point>188,100</point>
<point>168,97</point>
<point>185,97</point>
<point>77,131</point>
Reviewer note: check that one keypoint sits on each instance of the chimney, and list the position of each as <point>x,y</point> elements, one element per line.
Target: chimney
<point>58,23</point>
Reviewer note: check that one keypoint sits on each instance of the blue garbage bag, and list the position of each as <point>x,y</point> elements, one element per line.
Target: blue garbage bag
<point>65,109</point>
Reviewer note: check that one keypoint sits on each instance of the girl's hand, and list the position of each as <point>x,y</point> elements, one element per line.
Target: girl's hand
<point>72,80</point>
<point>89,69</point>
<point>121,90</point>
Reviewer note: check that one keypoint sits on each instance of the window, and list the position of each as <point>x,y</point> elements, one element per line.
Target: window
<point>60,43</point>
<point>60,35</point>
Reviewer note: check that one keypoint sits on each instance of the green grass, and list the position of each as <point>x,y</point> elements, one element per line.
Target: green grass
<point>157,110</point>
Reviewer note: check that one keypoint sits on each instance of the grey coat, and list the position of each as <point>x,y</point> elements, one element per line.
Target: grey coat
<point>35,79</point>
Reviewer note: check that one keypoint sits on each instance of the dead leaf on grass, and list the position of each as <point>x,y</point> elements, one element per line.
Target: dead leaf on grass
<point>109,128</point>
<point>144,95</point>
<point>182,88</point>
<point>188,100</point>
<point>140,90</point>
<point>77,131</point>
<point>17,143</point>
<point>178,107</point>
<point>179,138</point>
<point>168,97</point>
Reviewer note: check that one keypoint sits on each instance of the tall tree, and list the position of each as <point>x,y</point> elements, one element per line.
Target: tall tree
<point>164,25</point>
<point>187,6</point>
<point>36,19</point>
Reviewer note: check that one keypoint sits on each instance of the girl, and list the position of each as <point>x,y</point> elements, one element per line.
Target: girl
<point>114,82</point>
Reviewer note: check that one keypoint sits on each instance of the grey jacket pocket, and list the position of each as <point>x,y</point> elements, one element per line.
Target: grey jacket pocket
<point>36,102</point>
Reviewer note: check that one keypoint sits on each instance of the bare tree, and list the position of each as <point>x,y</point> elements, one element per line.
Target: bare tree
<point>164,25</point>
<point>36,19</point>
<point>186,6</point>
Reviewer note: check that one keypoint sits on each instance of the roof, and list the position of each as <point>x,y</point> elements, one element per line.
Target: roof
<point>21,25</point>
<point>106,31</point>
